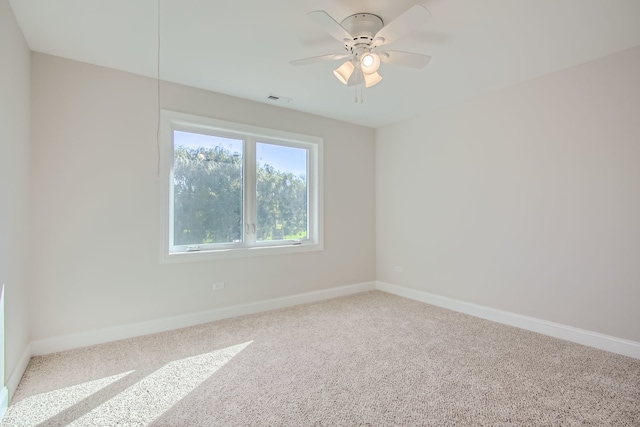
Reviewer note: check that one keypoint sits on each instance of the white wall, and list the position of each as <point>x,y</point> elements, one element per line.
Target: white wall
<point>96,207</point>
<point>14,183</point>
<point>526,199</point>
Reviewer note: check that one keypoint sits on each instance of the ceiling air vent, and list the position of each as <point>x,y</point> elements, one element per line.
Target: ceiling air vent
<point>279,99</point>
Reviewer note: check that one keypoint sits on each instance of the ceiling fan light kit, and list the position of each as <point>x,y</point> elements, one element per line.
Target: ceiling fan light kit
<point>370,62</point>
<point>372,79</point>
<point>361,34</point>
<point>344,72</point>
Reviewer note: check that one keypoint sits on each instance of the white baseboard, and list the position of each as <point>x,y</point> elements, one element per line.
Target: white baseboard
<point>18,371</point>
<point>557,330</point>
<point>68,342</point>
<point>4,402</point>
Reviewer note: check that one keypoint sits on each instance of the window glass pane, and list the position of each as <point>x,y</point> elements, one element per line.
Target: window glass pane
<point>207,189</point>
<point>281,192</point>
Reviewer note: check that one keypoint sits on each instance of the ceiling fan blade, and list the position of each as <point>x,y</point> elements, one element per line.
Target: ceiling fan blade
<point>330,25</point>
<point>405,59</point>
<point>409,20</point>
<point>314,59</point>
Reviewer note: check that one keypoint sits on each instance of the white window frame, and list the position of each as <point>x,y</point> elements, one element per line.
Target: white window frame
<point>172,121</point>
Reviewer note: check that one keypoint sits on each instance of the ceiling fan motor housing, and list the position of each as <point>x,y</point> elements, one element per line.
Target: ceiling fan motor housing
<point>363,27</point>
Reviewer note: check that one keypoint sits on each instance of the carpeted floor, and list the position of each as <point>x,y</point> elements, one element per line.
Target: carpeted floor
<point>370,359</point>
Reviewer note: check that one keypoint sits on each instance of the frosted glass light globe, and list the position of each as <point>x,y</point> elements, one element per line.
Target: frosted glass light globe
<point>370,62</point>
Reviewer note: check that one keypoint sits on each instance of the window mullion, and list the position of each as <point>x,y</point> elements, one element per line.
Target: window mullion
<point>250,216</point>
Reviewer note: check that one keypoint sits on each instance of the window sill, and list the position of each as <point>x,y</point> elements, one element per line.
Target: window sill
<point>218,254</point>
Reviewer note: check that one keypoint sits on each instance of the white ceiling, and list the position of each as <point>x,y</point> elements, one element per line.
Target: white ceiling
<point>243,48</point>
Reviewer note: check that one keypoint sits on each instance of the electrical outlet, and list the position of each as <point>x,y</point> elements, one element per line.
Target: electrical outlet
<point>218,286</point>
<point>398,269</point>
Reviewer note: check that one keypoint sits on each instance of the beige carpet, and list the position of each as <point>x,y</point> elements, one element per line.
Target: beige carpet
<point>370,359</point>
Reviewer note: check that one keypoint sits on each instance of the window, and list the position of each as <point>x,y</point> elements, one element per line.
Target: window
<point>236,190</point>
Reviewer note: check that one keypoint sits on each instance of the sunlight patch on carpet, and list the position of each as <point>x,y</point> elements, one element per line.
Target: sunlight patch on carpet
<point>38,408</point>
<point>156,393</point>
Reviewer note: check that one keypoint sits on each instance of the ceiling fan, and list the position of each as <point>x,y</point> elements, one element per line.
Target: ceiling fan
<point>364,36</point>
